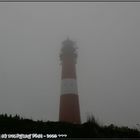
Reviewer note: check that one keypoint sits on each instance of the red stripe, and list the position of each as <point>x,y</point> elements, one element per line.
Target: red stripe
<point>69,108</point>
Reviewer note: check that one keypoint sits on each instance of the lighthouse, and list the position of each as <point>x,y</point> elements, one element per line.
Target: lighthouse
<point>69,110</point>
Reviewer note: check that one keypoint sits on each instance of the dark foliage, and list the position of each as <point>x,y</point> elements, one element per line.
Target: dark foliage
<point>91,129</point>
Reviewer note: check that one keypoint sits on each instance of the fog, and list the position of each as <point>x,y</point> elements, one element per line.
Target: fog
<point>108,65</point>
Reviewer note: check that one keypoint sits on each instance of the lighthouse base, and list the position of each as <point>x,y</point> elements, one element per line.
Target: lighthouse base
<point>69,108</point>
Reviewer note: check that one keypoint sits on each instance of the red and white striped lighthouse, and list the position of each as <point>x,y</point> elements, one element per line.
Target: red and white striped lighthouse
<point>69,100</point>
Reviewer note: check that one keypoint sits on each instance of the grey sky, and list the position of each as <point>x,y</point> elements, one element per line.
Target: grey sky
<point>108,68</point>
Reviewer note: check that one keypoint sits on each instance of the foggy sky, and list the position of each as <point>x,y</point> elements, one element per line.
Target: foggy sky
<point>108,66</point>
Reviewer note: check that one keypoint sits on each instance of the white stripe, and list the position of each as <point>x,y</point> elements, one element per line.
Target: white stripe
<point>69,86</point>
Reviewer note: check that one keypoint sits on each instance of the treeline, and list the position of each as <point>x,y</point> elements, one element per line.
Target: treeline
<point>91,129</point>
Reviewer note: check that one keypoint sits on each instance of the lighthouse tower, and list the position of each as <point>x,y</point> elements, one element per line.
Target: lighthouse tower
<point>69,100</point>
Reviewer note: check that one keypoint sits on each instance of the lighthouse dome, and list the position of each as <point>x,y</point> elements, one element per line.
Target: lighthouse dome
<point>68,46</point>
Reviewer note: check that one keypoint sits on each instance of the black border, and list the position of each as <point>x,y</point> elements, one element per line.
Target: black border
<point>70,1</point>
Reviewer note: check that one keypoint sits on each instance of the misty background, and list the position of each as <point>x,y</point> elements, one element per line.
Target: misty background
<point>108,66</point>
